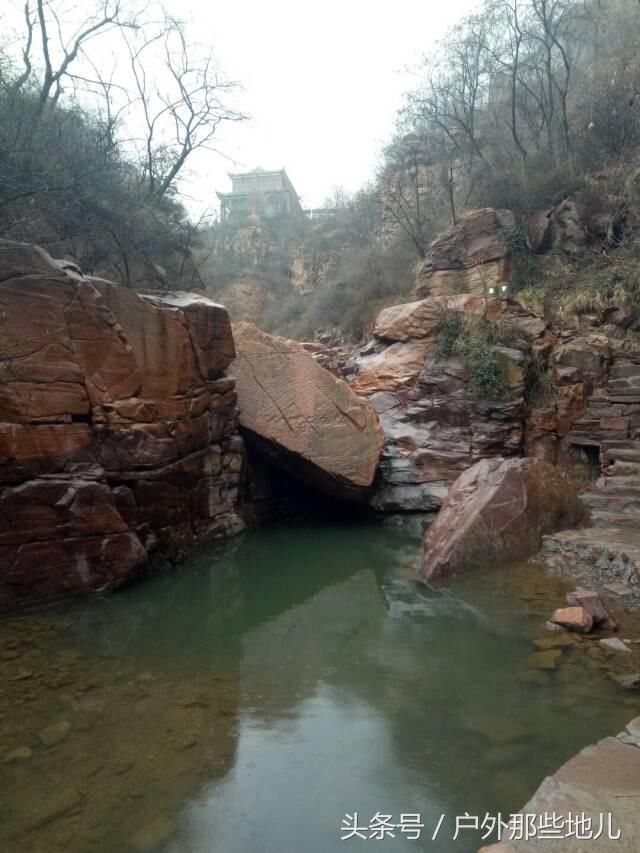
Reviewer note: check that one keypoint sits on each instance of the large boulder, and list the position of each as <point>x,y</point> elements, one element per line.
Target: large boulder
<point>471,258</point>
<point>497,511</point>
<point>303,417</point>
<point>579,222</point>
<point>118,431</point>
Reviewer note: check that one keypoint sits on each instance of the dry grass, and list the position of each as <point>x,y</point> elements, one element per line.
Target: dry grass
<point>571,288</point>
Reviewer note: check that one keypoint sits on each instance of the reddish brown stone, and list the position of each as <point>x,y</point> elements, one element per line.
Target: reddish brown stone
<point>498,510</point>
<point>470,258</point>
<point>574,618</point>
<point>592,603</point>
<point>100,387</point>
<point>435,425</point>
<point>209,328</point>
<point>310,422</point>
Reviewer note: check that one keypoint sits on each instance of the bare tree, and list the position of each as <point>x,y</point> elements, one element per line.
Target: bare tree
<point>70,174</point>
<point>404,188</point>
<point>182,107</point>
<point>50,53</point>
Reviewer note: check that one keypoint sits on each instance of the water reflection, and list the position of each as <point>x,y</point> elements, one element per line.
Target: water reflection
<point>252,698</point>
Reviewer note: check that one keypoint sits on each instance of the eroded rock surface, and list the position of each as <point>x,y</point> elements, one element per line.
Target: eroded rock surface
<point>497,511</point>
<point>435,425</point>
<point>577,223</point>
<point>118,434</point>
<point>471,258</point>
<point>303,417</point>
<point>602,782</point>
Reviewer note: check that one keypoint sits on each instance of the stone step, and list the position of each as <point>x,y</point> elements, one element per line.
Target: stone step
<point>595,555</point>
<point>629,451</point>
<point>622,500</point>
<point>610,518</point>
<point>624,370</point>
<point>622,469</point>
<point>621,483</point>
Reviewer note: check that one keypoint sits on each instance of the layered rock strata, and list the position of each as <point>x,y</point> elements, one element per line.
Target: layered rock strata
<point>435,425</point>
<point>118,431</point>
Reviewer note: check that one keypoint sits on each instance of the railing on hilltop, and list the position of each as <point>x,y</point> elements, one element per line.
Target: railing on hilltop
<point>320,212</point>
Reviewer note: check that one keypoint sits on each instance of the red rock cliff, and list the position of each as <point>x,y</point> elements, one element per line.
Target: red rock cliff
<point>118,434</point>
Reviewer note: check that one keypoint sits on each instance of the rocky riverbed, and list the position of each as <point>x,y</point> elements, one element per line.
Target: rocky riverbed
<point>88,742</point>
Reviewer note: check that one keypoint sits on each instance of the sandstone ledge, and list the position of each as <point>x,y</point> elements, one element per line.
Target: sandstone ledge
<point>601,779</point>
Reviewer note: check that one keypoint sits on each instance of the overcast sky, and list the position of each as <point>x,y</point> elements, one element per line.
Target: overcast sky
<point>322,83</point>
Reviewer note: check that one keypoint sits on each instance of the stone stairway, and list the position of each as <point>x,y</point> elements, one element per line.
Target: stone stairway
<point>608,552</point>
<point>614,499</point>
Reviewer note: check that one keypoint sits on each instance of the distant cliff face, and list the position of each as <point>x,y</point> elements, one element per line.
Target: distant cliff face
<point>259,268</point>
<point>118,434</point>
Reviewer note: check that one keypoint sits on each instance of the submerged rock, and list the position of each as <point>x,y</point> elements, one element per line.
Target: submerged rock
<point>153,834</point>
<point>55,733</point>
<point>500,729</point>
<point>498,510</point>
<point>505,755</point>
<point>304,418</point>
<point>21,753</point>
<point>555,642</point>
<point>58,805</point>
<point>547,659</point>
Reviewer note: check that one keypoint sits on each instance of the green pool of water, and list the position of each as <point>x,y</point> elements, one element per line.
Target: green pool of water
<point>252,698</point>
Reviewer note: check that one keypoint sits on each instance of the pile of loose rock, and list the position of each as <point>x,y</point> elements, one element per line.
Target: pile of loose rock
<point>584,613</point>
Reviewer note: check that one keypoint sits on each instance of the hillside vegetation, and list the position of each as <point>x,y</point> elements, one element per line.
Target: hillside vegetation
<point>92,158</point>
<point>524,104</point>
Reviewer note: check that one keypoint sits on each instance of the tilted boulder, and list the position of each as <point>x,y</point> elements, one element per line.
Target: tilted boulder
<point>118,432</point>
<point>303,417</point>
<point>497,511</point>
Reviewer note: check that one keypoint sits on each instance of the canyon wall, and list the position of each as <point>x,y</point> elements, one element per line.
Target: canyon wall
<point>435,424</point>
<point>119,441</point>
<point>571,390</point>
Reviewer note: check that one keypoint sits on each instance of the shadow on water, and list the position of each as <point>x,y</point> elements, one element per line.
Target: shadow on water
<point>250,699</point>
